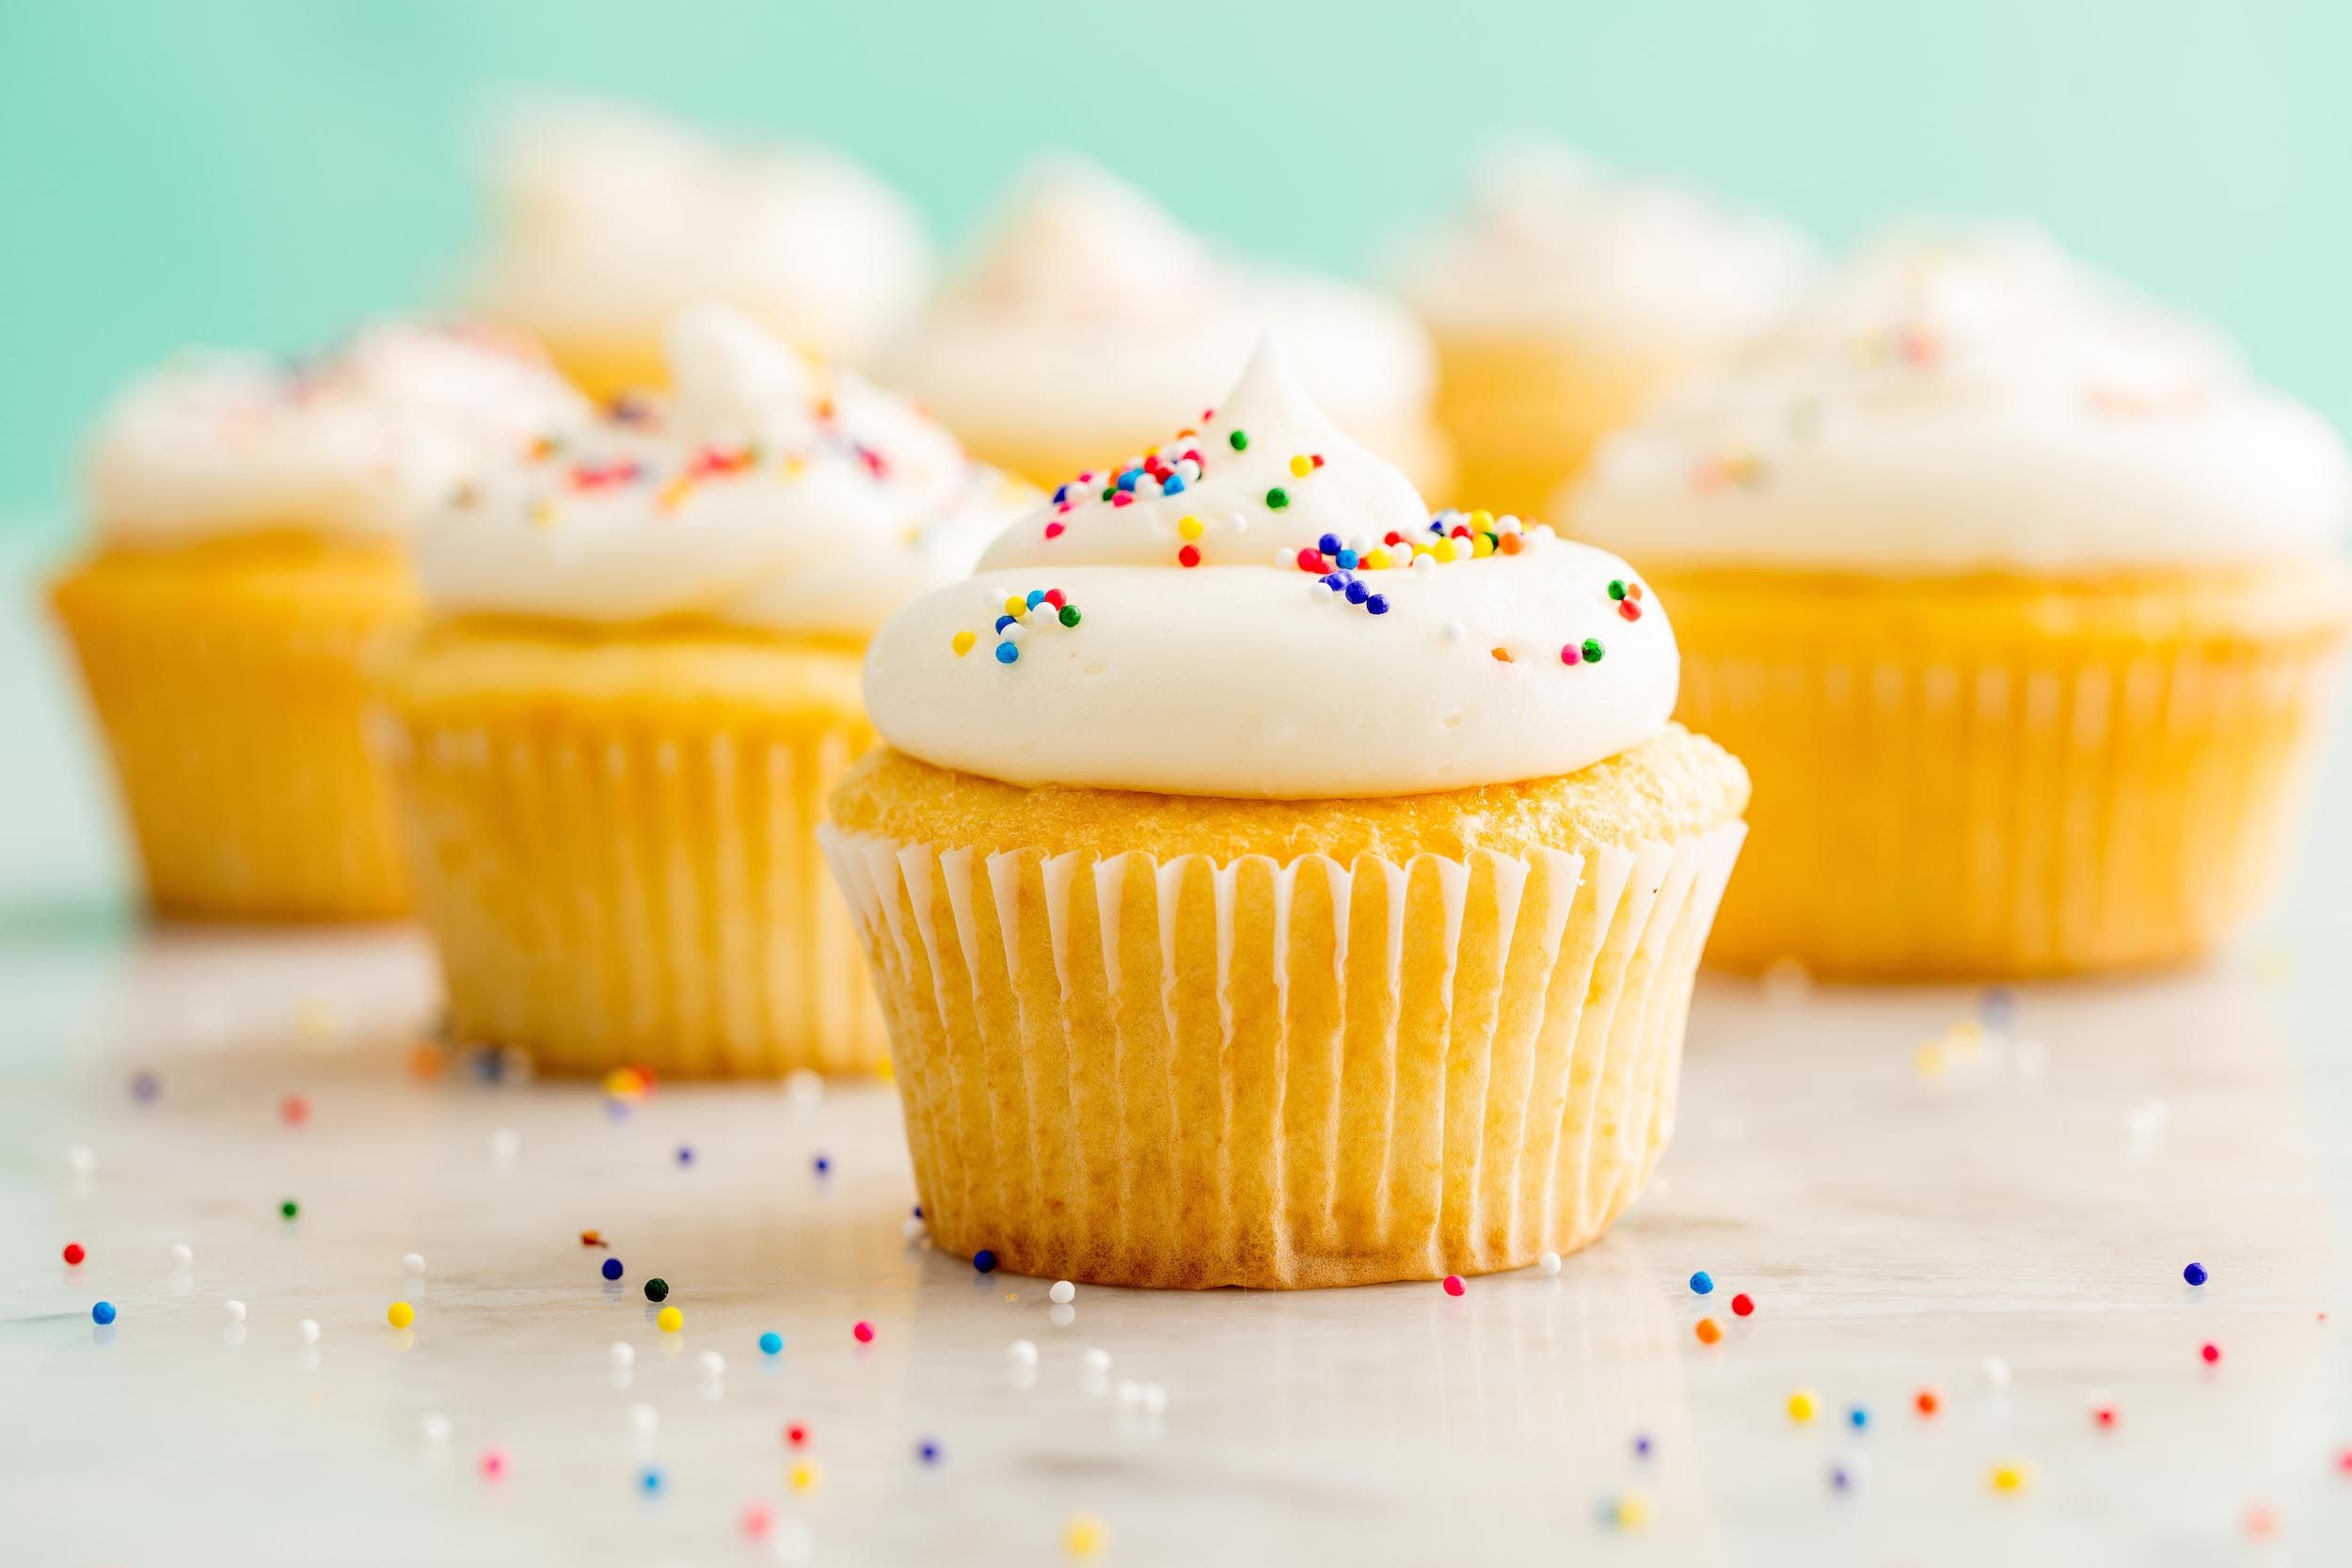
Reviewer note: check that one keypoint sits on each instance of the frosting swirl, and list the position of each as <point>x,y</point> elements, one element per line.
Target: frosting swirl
<point>1061,328</point>
<point>612,220</point>
<point>768,491</point>
<point>1263,609</point>
<point>349,445</point>
<point>1967,401</point>
<point>1554,242</point>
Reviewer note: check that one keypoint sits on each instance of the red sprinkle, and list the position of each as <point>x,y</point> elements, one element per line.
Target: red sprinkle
<point>1742,1304</point>
<point>1310,560</point>
<point>2105,1416</point>
<point>1929,1402</point>
<point>295,1110</point>
<point>796,1435</point>
<point>1629,610</point>
<point>1188,556</point>
<point>1054,597</point>
<point>2212,1353</point>
<point>74,1254</point>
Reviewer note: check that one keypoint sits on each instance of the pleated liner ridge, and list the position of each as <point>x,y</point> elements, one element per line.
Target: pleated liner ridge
<point>1125,1071</point>
<point>614,894</point>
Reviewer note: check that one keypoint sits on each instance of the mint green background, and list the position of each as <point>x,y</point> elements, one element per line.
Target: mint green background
<point>265,171</point>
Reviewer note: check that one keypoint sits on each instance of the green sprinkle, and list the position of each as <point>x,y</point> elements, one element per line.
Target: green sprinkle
<point>1110,490</point>
<point>656,1290</point>
<point>1278,498</point>
<point>1617,588</point>
<point>290,1209</point>
<point>1592,650</point>
<point>1070,615</point>
<point>1238,441</point>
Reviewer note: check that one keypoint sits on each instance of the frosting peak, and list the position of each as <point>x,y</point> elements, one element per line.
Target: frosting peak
<point>1964,401</point>
<point>767,490</point>
<point>1262,608</point>
<point>1078,241</point>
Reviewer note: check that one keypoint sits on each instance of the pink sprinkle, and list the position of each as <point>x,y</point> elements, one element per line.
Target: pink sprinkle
<point>759,1519</point>
<point>1572,655</point>
<point>1124,497</point>
<point>493,1464</point>
<point>1454,1286</point>
<point>1054,530</point>
<point>2212,1353</point>
<point>863,1332</point>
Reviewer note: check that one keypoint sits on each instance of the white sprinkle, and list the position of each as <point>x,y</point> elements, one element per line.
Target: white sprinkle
<point>803,1087</point>
<point>1022,1353</point>
<point>437,1429</point>
<point>182,1254</point>
<point>1240,524</point>
<point>412,1264</point>
<point>1548,1264</point>
<point>308,1331</point>
<point>911,1228</point>
<point>504,1145</point>
<point>712,1364</point>
<point>622,1353</point>
<point>1508,524</point>
<point>1061,1317</point>
<point>1129,1392</point>
<point>643,1419</point>
<point>1096,1360</point>
<point>1996,1372</point>
<point>1424,563</point>
<point>232,1310</point>
<point>1016,632</point>
<point>1063,1292</point>
<point>1286,558</point>
<point>793,1542</point>
<point>81,1158</point>
<point>1154,1399</point>
<point>1454,631</point>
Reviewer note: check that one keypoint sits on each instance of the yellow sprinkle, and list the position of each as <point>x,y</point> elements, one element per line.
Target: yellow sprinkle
<point>1017,607</point>
<point>1482,546</point>
<point>1421,546</point>
<point>1634,1509</point>
<point>1481,522</point>
<point>543,513</point>
<point>670,1321</point>
<point>963,641</point>
<point>1301,467</point>
<point>1377,560</point>
<point>1188,526</point>
<point>400,1314</point>
<point>1928,1059</point>
<point>1803,1405</point>
<point>675,491</point>
<point>1085,1535</point>
<point>1443,549</point>
<point>625,1083</point>
<point>805,1476</point>
<point>2012,1477</point>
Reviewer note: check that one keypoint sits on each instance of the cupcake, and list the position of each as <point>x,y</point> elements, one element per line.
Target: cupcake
<point>1568,296</point>
<point>249,518</point>
<point>1054,349</point>
<point>2019,598</point>
<point>637,676</point>
<point>609,221</point>
<point>1201,970</point>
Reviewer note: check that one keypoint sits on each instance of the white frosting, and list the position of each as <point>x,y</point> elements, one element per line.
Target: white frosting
<point>1975,401</point>
<point>1553,243</point>
<point>1245,676</point>
<point>610,221</point>
<point>766,491</point>
<point>350,445</point>
<point>1092,316</point>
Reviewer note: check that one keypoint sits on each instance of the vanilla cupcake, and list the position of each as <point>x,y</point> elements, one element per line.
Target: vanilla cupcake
<point>249,517</point>
<point>612,736</point>
<point>1269,885</point>
<point>1054,351</point>
<point>1568,296</point>
<point>609,221</point>
<point>2019,597</point>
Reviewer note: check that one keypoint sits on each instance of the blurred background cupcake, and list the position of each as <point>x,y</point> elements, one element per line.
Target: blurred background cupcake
<point>1566,296</point>
<point>250,519</point>
<point>1326,991</point>
<point>608,220</point>
<point>612,738</point>
<point>2018,597</point>
<point>1088,323</point>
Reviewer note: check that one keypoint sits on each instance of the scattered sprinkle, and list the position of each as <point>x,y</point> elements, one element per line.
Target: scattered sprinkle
<point>1709,1331</point>
<point>610,1268</point>
<point>1062,1293</point>
<point>2010,1477</point>
<point>400,1314</point>
<point>493,1464</point>
<point>2211,1352</point>
<point>1803,1405</point>
<point>1927,1401</point>
<point>1743,1304</point>
<point>806,1476</point>
<point>984,1260</point>
<point>928,1450</point>
<point>306,1330</point>
<point>103,1313</point>
<point>669,1320</point>
<point>1549,1264</point>
<point>234,1311</point>
<point>1454,1286</point>
<point>412,1264</point>
<point>657,1288</point>
<point>74,1254</point>
<point>1085,1535</point>
<point>863,1332</point>
<point>1701,1283</point>
<point>2195,1273</point>
<point>289,1209</point>
<point>771,1344</point>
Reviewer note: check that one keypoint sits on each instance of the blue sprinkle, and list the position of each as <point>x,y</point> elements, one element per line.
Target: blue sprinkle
<point>145,1086</point>
<point>1006,653</point>
<point>1701,1283</point>
<point>1377,603</point>
<point>2195,1273</point>
<point>1998,1008</point>
<point>1358,592</point>
<point>824,1164</point>
<point>1127,480</point>
<point>1062,494</point>
<point>1858,1417</point>
<point>1334,582</point>
<point>1841,1478</point>
<point>649,1480</point>
<point>1175,485</point>
<point>612,1268</point>
<point>1640,1445</point>
<point>103,1313</point>
<point>1036,597</point>
<point>1348,559</point>
<point>686,1154</point>
<point>918,1211</point>
<point>1003,621</point>
<point>928,1450</point>
<point>1328,544</point>
<point>771,1344</point>
<point>984,1260</point>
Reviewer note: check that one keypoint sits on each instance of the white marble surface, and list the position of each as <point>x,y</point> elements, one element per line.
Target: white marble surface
<point>2034,1201</point>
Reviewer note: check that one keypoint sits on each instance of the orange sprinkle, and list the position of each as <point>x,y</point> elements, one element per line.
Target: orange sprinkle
<point>1503,655</point>
<point>1709,1331</point>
